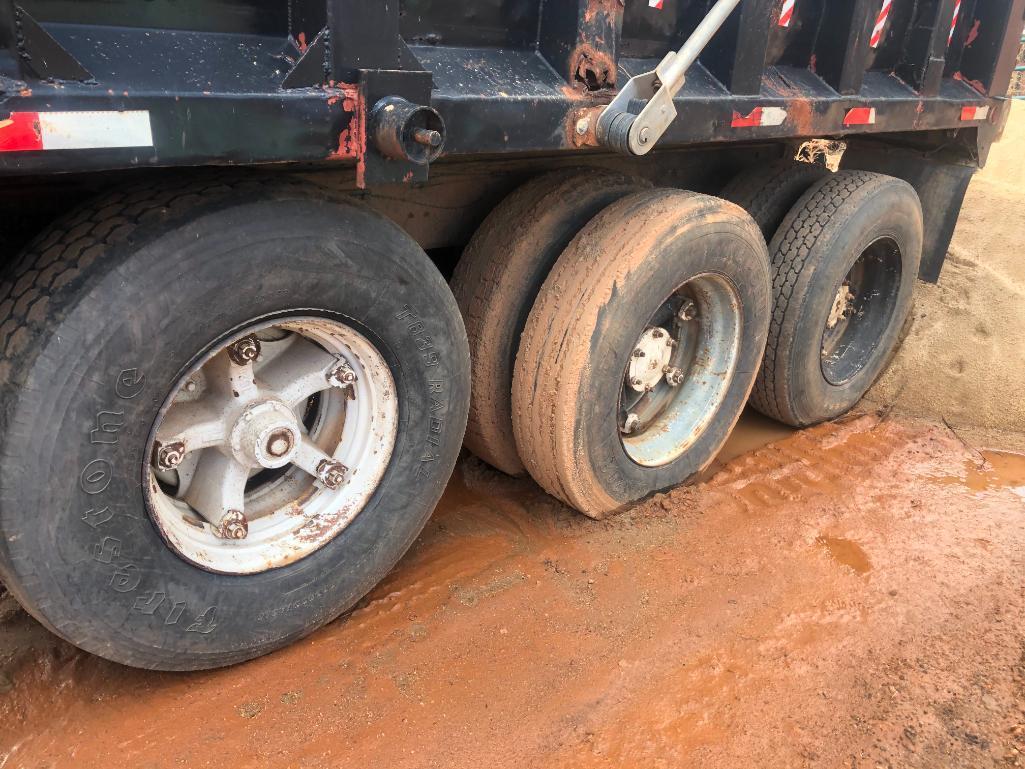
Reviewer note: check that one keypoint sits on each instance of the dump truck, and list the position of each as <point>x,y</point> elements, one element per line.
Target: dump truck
<point>268,265</point>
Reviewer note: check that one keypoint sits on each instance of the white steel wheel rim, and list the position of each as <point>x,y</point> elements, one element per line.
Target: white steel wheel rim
<point>664,412</point>
<point>315,380</point>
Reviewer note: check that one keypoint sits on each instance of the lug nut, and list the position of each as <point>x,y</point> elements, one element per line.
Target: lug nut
<point>636,382</point>
<point>244,351</point>
<point>168,456</point>
<point>688,310</point>
<point>631,422</point>
<point>234,525</point>
<point>342,376</point>
<point>331,473</point>
<point>638,353</point>
<point>656,333</point>
<point>280,443</point>
<point>674,376</point>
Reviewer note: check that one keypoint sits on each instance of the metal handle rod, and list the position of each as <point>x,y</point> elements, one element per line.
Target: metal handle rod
<point>695,44</point>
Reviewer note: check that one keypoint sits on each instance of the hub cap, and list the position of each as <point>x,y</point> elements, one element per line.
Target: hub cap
<point>680,370</point>
<point>271,445</point>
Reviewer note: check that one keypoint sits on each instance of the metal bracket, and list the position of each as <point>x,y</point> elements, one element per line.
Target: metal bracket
<point>636,133</point>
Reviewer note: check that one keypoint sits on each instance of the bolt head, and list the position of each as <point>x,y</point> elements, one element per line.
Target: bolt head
<point>638,353</point>
<point>636,382</point>
<point>688,311</point>
<point>582,125</point>
<point>169,455</point>
<point>656,334</point>
<point>331,473</point>
<point>234,525</point>
<point>342,376</point>
<point>631,422</point>
<point>244,351</point>
<point>674,376</point>
<point>642,137</point>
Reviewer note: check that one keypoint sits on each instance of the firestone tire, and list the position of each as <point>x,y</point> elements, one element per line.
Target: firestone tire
<point>845,262</point>
<point>581,337</point>
<point>498,278</point>
<point>104,311</point>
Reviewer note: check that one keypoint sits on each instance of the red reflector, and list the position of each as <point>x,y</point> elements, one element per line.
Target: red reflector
<point>21,132</point>
<point>746,121</point>
<point>860,116</point>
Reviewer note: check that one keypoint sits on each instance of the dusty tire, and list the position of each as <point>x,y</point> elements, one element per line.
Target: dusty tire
<point>844,264</point>
<point>769,191</point>
<point>577,349</point>
<point>497,279</point>
<point>103,313</point>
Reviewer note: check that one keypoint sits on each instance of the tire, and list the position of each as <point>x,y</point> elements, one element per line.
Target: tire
<point>498,278</point>
<point>854,232</point>
<point>598,303</point>
<point>769,191</point>
<point>104,311</point>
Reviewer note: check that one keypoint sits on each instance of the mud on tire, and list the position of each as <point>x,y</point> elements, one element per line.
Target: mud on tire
<point>498,278</point>
<point>652,254</point>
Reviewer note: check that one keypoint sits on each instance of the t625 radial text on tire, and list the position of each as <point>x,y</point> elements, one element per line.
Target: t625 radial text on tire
<point>641,350</point>
<point>228,411</point>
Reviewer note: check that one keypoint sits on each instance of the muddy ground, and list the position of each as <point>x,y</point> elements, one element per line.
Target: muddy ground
<point>848,596</point>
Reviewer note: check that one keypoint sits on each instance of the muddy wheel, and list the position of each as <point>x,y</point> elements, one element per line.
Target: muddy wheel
<point>844,266</point>
<point>228,411</point>
<point>769,191</point>
<point>498,278</point>
<point>639,354</point>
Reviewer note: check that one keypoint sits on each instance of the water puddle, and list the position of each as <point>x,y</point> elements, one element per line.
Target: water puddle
<point>846,553</point>
<point>1001,470</point>
<point>752,432</point>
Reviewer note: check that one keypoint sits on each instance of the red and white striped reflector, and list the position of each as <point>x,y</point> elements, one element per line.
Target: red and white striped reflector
<point>880,27</point>
<point>974,113</point>
<point>787,13</point>
<point>760,116</point>
<point>953,22</point>
<point>26,131</point>
<point>860,116</point>
<point>655,4</point>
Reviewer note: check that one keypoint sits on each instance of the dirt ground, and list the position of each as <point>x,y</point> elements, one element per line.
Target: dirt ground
<point>964,360</point>
<point>847,596</point>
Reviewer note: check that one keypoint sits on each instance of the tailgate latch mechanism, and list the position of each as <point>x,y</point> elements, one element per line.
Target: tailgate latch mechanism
<point>636,133</point>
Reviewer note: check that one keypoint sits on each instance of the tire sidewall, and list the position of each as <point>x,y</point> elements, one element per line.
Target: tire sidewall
<point>81,547</point>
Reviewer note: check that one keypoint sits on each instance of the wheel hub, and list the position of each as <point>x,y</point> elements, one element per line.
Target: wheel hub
<point>650,359</point>
<point>266,434</point>
<point>271,444</point>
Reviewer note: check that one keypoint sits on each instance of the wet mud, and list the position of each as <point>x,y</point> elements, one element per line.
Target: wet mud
<point>847,596</point>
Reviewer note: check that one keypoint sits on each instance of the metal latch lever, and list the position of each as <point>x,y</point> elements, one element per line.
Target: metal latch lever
<point>636,134</point>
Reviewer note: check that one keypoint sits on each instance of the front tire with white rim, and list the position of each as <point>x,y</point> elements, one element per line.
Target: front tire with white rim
<point>641,349</point>
<point>228,410</point>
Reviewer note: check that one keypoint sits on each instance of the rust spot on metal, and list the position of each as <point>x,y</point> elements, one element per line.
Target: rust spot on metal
<point>352,139</point>
<point>801,116</point>
<point>977,85</point>
<point>602,7</point>
<point>972,34</point>
<point>580,128</point>
<point>593,69</point>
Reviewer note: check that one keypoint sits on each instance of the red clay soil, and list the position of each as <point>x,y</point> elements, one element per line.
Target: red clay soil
<point>851,596</point>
